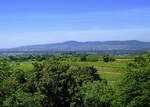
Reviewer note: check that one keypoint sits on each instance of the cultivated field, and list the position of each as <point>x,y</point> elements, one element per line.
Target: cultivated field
<point>111,71</point>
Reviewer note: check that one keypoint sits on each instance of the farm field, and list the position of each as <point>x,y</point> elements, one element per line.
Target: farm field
<point>26,66</point>
<point>111,71</point>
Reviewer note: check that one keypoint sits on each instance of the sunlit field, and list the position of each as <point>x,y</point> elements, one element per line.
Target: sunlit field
<point>111,71</point>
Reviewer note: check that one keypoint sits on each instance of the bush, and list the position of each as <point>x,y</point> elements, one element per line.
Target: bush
<point>133,90</point>
<point>95,94</point>
<point>83,58</point>
<point>140,59</point>
<point>108,58</point>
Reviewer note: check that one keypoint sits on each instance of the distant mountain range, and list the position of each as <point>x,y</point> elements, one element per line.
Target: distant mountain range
<point>130,47</point>
<point>86,46</point>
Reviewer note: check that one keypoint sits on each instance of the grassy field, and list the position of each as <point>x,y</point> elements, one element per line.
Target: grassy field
<point>103,64</point>
<point>112,75</point>
<point>26,66</point>
<point>111,71</point>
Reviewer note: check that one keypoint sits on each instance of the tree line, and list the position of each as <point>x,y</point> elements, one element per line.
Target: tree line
<point>63,57</point>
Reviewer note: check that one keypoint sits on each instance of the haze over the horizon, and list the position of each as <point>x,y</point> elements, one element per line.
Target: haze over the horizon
<point>27,22</point>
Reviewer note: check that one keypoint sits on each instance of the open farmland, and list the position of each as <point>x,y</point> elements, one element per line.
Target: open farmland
<point>111,71</point>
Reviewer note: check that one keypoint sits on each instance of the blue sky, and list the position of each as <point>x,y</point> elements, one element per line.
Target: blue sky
<point>26,22</point>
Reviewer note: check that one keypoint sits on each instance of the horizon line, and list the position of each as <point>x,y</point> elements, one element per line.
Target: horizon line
<point>74,41</point>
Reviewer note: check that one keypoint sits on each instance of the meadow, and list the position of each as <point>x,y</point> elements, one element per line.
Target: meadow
<point>113,72</point>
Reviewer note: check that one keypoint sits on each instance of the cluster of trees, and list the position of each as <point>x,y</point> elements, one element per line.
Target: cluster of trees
<point>50,84</point>
<point>105,58</point>
<point>89,58</point>
<point>63,57</point>
<point>108,58</point>
<point>55,83</point>
<point>133,91</point>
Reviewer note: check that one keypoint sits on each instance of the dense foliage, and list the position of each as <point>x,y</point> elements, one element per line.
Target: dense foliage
<point>51,84</point>
<point>134,91</point>
<point>96,94</point>
<point>108,58</point>
<point>57,82</point>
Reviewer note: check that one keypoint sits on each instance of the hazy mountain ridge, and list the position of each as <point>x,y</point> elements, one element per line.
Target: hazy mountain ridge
<point>86,46</point>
